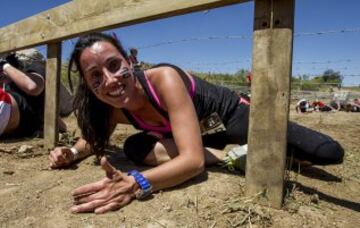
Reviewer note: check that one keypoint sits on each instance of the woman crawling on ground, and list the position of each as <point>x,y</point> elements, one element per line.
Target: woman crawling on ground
<point>185,123</point>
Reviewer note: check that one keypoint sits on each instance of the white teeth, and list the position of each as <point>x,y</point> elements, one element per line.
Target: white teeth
<point>118,92</point>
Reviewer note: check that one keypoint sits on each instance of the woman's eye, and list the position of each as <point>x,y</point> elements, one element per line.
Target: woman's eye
<point>96,79</point>
<point>96,85</point>
<point>114,66</point>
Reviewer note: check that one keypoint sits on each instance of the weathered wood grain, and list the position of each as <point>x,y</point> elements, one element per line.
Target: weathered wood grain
<point>52,85</point>
<point>83,16</point>
<point>272,59</point>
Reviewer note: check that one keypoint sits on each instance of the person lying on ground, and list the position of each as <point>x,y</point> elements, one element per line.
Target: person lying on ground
<point>318,105</point>
<point>22,95</point>
<point>335,105</point>
<point>354,106</point>
<point>185,121</point>
<point>303,106</point>
<point>323,107</point>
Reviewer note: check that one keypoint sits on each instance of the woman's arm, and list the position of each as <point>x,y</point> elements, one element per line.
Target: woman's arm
<point>30,83</point>
<point>118,189</point>
<point>64,156</point>
<point>185,129</point>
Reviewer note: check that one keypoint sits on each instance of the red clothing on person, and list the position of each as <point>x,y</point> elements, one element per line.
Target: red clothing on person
<point>319,104</point>
<point>249,77</point>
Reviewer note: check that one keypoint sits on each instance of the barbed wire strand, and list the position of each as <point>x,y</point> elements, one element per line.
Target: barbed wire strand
<point>244,37</point>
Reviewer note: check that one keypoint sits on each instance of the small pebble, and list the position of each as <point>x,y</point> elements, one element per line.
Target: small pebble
<point>315,198</point>
<point>8,172</point>
<point>24,149</point>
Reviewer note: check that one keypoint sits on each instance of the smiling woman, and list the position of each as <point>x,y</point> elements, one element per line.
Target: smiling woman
<point>185,123</point>
<point>103,65</point>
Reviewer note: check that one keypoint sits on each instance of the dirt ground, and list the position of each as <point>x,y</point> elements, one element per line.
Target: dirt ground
<point>31,195</point>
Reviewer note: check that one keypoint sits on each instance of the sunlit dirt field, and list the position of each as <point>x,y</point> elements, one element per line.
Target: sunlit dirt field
<point>31,195</point>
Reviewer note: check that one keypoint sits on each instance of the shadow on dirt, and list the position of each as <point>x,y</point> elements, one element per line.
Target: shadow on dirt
<point>325,197</point>
<point>320,174</point>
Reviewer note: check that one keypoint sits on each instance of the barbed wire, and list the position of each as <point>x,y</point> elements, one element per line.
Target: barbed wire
<point>248,60</point>
<point>195,65</point>
<point>244,37</point>
<point>217,63</point>
<point>351,30</point>
<point>72,43</point>
<point>324,62</point>
<point>320,75</point>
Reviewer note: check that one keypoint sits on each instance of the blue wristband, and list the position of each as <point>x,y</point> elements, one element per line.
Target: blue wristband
<point>145,186</point>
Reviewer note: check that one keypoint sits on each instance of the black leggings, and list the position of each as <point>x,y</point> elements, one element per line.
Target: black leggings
<point>303,143</point>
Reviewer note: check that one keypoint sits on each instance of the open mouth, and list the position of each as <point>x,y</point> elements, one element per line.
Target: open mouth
<point>118,92</point>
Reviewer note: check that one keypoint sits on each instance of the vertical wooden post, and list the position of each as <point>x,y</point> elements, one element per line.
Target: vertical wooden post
<point>272,59</point>
<point>52,85</point>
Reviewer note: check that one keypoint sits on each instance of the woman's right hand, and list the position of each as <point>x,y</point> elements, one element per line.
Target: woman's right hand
<point>61,157</point>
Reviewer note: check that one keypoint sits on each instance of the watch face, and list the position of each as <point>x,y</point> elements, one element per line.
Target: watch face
<point>145,187</point>
<point>142,194</point>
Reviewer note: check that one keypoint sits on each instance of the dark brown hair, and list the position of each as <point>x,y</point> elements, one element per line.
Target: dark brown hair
<point>93,115</point>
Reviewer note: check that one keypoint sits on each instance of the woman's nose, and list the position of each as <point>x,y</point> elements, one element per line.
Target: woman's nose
<point>108,76</point>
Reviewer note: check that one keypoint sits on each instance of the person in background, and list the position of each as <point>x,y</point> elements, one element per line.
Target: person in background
<point>355,105</point>
<point>318,105</point>
<point>184,122</point>
<point>323,107</point>
<point>335,105</point>
<point>248,80</point>
<point>22,82</point>
<point>133,57</point>
<point>340,101</point>
<point>303,106</point>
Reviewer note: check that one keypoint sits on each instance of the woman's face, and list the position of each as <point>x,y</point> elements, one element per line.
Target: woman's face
<point>107,74</point>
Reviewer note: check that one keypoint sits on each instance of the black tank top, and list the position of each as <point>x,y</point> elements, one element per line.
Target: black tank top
<point>31,110</point>
<point>207,98</point>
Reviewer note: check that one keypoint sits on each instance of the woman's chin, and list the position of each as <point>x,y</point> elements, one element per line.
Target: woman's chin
<point>121,102</point>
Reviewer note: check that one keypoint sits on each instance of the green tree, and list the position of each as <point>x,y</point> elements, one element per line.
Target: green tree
<point>331,76</point>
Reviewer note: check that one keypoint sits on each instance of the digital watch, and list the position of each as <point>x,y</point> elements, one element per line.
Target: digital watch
<point>145,186</point>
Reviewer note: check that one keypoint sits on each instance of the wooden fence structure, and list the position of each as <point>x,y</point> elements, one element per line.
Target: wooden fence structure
<point>272,58</point>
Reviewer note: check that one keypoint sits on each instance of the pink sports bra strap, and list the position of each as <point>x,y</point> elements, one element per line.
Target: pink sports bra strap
<point>152,90</point>
<point>192,92</point>
<point>244,101</point>
<point>156,97</point>
<point>167,127</point>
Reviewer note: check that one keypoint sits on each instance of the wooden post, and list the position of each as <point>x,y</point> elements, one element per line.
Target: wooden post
<point>52,85</point>
<point>272,59</point>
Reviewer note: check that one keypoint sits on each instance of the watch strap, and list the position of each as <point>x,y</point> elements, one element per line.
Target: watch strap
<point>145,186</point>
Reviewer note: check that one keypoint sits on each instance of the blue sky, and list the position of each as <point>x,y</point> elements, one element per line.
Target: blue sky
<point>312,54</point>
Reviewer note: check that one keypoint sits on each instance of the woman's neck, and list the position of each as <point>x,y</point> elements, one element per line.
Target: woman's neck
<point>139,100</point>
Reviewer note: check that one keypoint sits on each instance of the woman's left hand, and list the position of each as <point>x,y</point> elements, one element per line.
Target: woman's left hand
<point>111,193</point>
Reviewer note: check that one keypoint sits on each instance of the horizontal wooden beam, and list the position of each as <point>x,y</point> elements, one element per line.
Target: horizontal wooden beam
<point>82,16</point>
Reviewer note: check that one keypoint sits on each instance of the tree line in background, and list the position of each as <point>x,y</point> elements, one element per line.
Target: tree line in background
<point>324,82</point>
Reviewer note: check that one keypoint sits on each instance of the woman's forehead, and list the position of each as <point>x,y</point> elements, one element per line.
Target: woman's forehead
<point>99,51</point>
<point>102,47</point>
